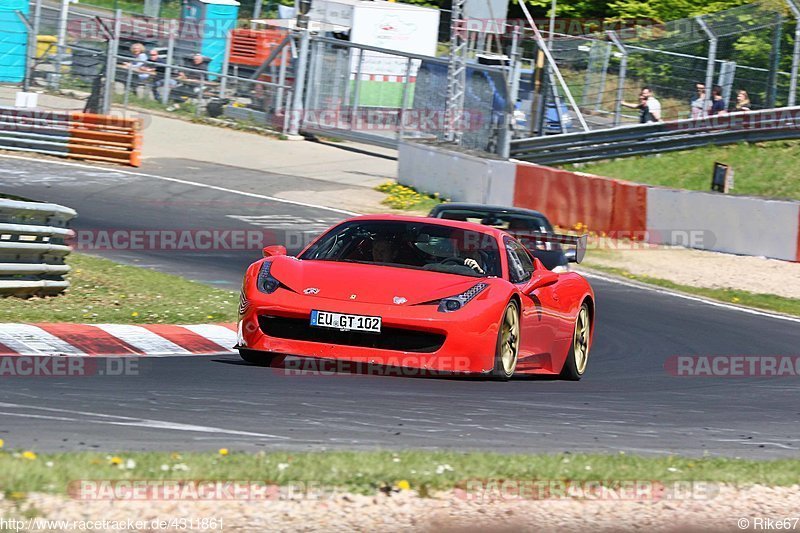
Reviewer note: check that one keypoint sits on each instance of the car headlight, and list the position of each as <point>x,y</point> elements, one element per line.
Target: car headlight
<point>266,283</point>
<point>454,303</point>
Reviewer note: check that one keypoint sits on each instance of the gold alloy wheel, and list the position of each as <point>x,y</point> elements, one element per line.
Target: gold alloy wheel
<point>580,344</point>
<point>509,349</point>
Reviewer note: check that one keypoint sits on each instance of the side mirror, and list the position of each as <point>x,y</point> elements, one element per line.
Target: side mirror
<point>275,249</point>
<point>541,279</point>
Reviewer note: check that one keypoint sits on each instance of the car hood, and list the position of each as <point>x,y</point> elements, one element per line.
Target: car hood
<point>369,283</point>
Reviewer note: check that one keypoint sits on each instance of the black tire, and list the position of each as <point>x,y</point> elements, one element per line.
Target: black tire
<point>256,358</point>
<point>578,356</point>
<point>506,351</point>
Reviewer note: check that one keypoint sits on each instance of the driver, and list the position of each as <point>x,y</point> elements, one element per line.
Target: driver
<point>383,250</point>
<point>472,262</point>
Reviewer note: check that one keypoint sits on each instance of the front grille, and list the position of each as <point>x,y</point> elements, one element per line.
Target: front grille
<point>406,340</point>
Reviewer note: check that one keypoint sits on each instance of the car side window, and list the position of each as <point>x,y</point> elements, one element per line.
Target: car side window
<point>520,266</point>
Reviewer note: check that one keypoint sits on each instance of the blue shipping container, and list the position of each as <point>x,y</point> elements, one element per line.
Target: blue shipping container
<point>13,40</point>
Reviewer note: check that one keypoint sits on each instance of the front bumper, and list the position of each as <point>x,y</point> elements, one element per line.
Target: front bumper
<point>413,336</point>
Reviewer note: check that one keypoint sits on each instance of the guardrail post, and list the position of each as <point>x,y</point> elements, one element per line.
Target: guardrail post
<point>795,53</point>
<point>166,89</point>
<point>712,57</point>
<point>623,66</point>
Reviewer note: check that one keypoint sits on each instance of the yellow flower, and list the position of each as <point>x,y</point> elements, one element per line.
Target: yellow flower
<point>223,451</point>
<point>735,299</point>
<point>135,314</point>
<point>175,456</point>
<point>403,485</point>
<point>209,316</point>
<point>2,443</point>
<point>115,460</point>
<point>29,455</point>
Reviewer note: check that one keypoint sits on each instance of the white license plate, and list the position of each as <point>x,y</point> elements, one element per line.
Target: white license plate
<point>344,322</point>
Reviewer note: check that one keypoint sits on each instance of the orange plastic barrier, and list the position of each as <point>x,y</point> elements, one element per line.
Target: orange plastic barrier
<point>602,204</point>
<point>105,138</point>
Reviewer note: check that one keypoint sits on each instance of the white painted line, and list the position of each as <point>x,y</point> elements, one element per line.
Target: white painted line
<point>215,333</point>
<point>32,340</point>
<point>186,182</point>
<point>143,339</point>
<point>115,420</point>
<point>677,294</point>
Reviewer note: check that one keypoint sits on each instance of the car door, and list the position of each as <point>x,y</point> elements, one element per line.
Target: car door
<point>538,325</point>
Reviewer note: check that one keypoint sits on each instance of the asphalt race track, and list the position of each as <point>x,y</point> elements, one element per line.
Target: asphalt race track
<point>628,401</point>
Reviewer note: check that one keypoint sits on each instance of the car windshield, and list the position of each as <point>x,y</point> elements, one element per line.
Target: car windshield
<point>416,245</point>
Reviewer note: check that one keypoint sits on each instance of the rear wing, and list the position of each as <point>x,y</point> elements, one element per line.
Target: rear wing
<point>578,241</point>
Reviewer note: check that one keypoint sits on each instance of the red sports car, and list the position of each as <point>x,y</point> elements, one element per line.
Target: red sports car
<point>412,292</point>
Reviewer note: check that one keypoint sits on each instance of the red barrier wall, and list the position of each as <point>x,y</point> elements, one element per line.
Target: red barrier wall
<point>567,198</point>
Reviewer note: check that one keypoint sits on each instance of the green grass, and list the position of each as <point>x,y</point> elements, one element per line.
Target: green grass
<point>762,169</point>
<point>768,302</point>
<point>103,291</point>
<point>407,198</point>
<point>367,472</point>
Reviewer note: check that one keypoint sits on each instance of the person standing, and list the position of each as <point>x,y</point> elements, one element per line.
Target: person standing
<point>653,105</point>
<point>742,101</point>
<point>718,106</point>
<point>699,107</point>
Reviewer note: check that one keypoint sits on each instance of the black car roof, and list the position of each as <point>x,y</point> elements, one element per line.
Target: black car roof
<point>488,209</point>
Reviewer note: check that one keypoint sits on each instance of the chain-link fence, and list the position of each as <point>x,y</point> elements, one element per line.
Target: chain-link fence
<point>366,93</point>
<point>748,52</point>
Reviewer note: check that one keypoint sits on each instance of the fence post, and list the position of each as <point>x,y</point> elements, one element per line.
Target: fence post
<point>168,70</point>
<point>61,42</point>
<point>512,89</point>
<point>111,62</point>
<point>623,66</point>
<point>356,90</point>
<point>226,58</point>
<point>795,53</point>
<point>299,81</point>
<point>712,57</point>
<point>404,105</point>
<point>281,81</point>
<point>775,59</point>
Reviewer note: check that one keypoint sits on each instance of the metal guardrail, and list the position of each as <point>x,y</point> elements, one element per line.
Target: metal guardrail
<point>32,247</point>
<point>647,139</point>
<point>71,134</point>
